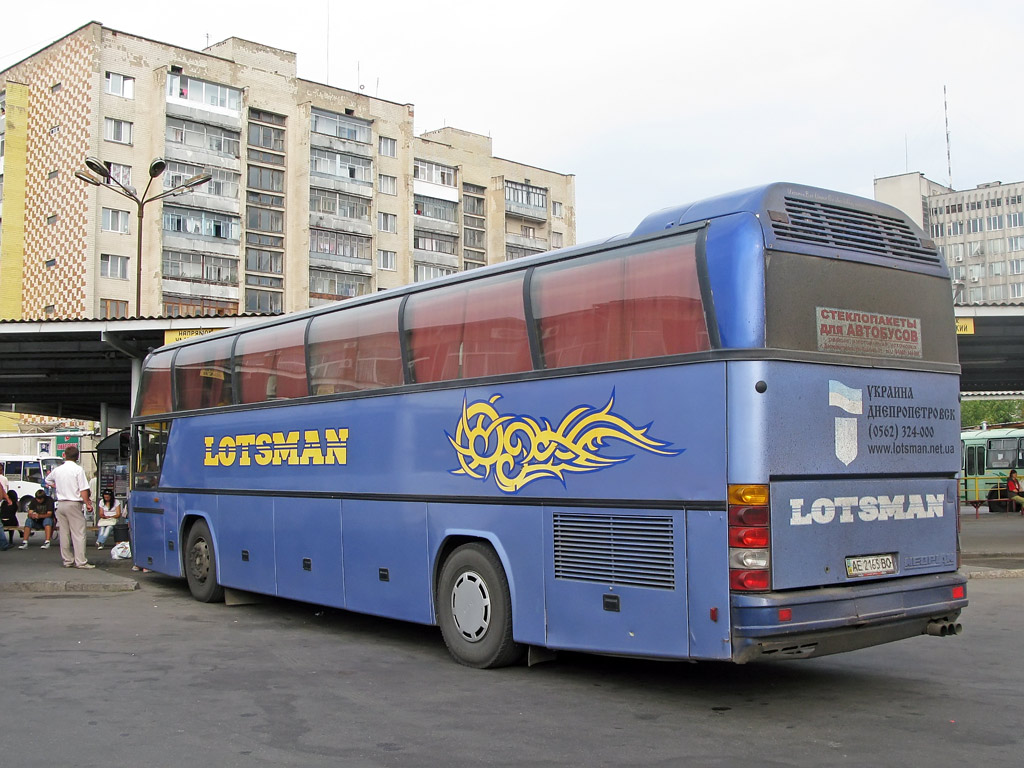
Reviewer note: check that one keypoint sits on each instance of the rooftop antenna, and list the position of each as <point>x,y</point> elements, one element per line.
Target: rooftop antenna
<point>949,158</point>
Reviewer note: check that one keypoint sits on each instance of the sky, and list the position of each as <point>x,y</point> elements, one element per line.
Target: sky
<point>649,103</point>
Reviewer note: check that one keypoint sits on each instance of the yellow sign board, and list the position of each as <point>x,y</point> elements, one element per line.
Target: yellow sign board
<point>965,326</point>
<point>186,333</point>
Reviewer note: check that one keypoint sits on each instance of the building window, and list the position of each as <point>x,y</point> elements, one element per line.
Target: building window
<point>340,126</point>
<point>975,225</point>
<point>435,173</point>
<point>387,222</point>
<point>387,260</point>
<point>473,259</point>
<point>514,252</point>
<point>556,209</point>
<point>220,141</point>
<point>954,228</point>
<point>473,189</point>
<point>1017,266</point>
<point>332,245</point>
<point>266,117</point>
<point>432,208</point>
<point>339,204</point>
<point>996,292</point>
<point>387,185</point>
<point>423,241</point>
<point>119,85</point>
<point>205,223</point>
<point>996,268</point>
<point>473,205</point>
<point>262,260</point>
<point>115,221</point>
<point>259,156</point>
<point>340,165</point>
<point>266,136</point>
<point>181,306</point>
<point>557,240</point>
<point>1014,244</point>
<point>993,223</point>
<point>200,267</point>
<point>266,178</point>
<point>119,173</point>
<point>264,219</point>
<point>117,130</point>
<point>528,231</point>
<point>423,272</point>
<point>387,147</point>
<point>474,238</point>
<point>113,266</point>
<point>327,285</point>
<point>203,93</point>
<point>111,309</point>
<point>526,194</point>
<point>263,301</point>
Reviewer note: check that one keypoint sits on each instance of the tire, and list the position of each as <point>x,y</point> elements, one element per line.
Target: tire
<point>474,609</point>
<point>201,565</point>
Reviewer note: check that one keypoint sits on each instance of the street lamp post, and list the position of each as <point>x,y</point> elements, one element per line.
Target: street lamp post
<point>98,175</point>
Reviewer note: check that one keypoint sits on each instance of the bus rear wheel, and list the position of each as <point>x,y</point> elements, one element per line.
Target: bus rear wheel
<point>474,609</point>
<point>201,565</point>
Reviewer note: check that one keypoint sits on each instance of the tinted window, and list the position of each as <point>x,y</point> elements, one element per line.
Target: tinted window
<point>847,307</point>
<point>1002,453</point>
<point>202,374</point>
<point>640,302</point>
<point>155,389</point>
<point>355,348</point>
<point>463,331</point>
<point>270,363</point>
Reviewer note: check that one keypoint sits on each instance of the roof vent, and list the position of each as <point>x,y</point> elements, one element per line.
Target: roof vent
<point>827,224</point>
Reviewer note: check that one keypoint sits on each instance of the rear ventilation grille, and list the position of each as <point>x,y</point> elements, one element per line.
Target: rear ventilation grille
<point>615,549</point>
<point>824,224</point>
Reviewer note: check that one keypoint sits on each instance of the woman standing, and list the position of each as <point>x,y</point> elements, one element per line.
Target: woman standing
<point>110,513</point>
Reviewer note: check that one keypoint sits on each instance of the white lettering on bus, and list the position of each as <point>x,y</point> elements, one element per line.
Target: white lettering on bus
<point>868,509</point>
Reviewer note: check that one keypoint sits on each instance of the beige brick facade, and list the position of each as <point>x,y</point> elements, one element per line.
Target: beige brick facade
<point>319,193</point>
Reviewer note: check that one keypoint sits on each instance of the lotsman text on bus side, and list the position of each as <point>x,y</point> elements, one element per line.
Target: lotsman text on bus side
<point>328,446</point>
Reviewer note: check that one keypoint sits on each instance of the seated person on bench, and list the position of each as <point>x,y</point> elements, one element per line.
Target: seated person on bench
<point>40,517</point>
<point>9,513</point>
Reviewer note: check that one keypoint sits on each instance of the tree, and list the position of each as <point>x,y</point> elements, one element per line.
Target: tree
<point>991,412</point>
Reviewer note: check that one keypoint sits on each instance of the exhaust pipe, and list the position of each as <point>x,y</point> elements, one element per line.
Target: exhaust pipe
<point>944,628</point>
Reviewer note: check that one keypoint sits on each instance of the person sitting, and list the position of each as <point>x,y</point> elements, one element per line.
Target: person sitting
<point>40,517</point>
<point>110,513</point>
<point>1013,490</point>
<point>9,514</point>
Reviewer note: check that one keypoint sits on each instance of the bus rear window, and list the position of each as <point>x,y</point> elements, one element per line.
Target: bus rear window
<point>469,330</point>
<point>626,305</point>
<point>847,307</point>
<point>155,389</point>
<point>355,348</point>
<point>270,363</point>
<point>202,374</point>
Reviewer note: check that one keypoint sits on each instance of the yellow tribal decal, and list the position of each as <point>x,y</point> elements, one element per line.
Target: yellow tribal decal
<point>518,449</point>
<point>328,446</point>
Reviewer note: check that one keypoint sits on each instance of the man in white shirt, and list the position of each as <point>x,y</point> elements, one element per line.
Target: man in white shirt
<point>72,494</point>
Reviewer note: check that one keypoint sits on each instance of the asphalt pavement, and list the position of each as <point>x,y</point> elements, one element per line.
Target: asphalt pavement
<point>992,546</point>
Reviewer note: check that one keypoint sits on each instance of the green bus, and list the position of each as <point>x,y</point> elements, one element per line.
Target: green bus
<point>988,455</point>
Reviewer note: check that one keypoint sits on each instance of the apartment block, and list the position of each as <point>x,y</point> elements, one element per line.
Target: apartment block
<point>316,193</point>
<point>980,232</point>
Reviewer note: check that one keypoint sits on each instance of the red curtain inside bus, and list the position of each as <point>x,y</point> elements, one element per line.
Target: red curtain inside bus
<point>617,306</point>
<point>202,374</point>
<point>355,348</point>
<point>155,390</point>
<point>270,363</point>
<point>465,331</point>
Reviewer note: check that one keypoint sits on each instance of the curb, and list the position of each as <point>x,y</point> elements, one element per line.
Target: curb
<point>994,573</point>
<point>51,586</point>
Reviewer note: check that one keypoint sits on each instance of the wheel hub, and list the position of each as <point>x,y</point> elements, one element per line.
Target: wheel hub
<point>471,606</point>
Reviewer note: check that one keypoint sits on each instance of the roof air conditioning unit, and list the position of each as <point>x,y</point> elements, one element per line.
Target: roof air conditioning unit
<point>960,257</point>
<point>974,279</point>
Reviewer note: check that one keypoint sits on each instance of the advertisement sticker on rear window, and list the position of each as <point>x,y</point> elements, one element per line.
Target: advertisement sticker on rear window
<point>852,332</point>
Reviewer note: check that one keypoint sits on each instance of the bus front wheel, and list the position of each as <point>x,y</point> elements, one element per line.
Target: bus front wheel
<point>201,565</point>
<point>474,609</point>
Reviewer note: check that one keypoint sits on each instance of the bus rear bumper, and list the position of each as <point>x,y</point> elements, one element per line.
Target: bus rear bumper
<point>836,619</point>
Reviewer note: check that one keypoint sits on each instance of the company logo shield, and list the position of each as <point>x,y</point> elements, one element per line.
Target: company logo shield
<point>852,401</point>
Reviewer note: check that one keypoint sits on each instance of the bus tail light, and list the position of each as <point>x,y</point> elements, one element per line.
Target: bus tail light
<point>749,538</point>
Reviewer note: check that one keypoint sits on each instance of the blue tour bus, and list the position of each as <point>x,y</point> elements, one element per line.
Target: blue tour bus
<point>732,434</point>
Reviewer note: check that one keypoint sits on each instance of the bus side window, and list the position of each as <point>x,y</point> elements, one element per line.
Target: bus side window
<point>981,460</point>
<point>972,462</point>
